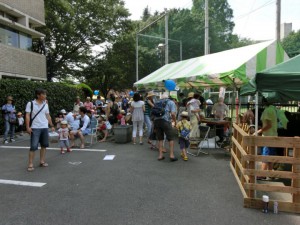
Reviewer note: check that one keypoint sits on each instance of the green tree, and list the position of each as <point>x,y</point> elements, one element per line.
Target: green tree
<point>291,44</point>
<point>73,27</point>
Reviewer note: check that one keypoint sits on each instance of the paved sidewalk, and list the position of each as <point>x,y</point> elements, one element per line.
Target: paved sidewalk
<point>134,188</point>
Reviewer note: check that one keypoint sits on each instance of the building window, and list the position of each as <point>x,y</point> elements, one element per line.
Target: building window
<point>14,38</point>
<point>25,41</point>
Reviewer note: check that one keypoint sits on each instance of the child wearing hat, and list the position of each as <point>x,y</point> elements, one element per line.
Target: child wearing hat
<point>184,128</point>
<point>20,123</point>
<point>63,132</point>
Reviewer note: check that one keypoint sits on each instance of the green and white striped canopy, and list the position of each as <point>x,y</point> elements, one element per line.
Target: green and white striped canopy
<point>236,66</point>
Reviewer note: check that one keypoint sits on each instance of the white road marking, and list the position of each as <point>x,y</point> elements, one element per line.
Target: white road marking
<point>109,157</point>
<point>22,183</point>
<point>73,149</point>
<point>75,163</point>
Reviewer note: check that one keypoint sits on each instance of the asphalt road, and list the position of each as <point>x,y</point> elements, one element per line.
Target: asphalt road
<point>133,189</point>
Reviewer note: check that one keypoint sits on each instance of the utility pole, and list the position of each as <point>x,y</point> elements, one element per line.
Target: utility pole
<point>137,57</point>
<point>206,38</point>
<point>166,37</point>
<point>278,18</point>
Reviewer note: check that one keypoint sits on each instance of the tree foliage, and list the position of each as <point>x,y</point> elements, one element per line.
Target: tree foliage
<point>73,26</point>
<point>291,43</point>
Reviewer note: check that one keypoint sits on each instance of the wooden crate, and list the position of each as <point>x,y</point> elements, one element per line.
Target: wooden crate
<point>243,165</point>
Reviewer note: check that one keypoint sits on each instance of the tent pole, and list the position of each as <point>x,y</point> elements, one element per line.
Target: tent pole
<point>256,128</point>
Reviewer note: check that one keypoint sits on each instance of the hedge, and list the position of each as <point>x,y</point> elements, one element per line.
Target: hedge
<point>60,96</point>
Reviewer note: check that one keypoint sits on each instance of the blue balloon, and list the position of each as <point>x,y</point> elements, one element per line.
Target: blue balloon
<point>170,85</point>
<point>131,93</point>
<point>96,92</point>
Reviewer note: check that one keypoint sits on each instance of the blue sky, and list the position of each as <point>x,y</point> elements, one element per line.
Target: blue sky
<point>258,25</point>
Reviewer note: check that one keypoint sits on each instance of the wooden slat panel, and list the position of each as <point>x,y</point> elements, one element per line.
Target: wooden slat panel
<point>272,188</point>
<point>240,148</point>
<point>238,181</point>
<point>274,159</point>
<point>268,173</point>
<point>280,142</point>
<point>240,130</point>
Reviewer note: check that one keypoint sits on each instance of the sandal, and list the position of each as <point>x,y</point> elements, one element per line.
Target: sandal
<point>30,168</point>
<point>44,164</point>
<point>162,158</point>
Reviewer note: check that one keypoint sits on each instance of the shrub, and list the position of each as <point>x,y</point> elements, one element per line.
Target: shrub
<point>86,89</point>
<point>60,96</point>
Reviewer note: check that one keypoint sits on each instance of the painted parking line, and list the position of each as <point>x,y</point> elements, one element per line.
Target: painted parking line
<point>56,149</point>
<point>109,157</point>
<point>22,183</point>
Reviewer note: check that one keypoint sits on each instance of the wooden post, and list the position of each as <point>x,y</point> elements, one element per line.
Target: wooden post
<point>296,169</point>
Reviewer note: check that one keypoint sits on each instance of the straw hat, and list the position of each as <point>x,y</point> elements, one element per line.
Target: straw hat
<point>191,95</point>
<point>77,97</point>
<point>63,111</point>
<point>19,114</point>
<point>64,122</point>
<point>9,98</point>
<point>185,114</point>
<point>123,112</point>
<point>150,94</point>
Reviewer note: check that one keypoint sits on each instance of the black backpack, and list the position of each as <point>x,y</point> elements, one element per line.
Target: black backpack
<point>159,108</point>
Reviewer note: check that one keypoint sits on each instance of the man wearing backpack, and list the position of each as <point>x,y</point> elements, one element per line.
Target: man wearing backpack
<point>164,112</point>
<point>37,125</point>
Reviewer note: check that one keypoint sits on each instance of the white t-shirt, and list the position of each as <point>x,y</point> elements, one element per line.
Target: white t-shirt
<point>41,121</point>
<point>63,134</point>
<point>21,121</point>
<point>86,122</point>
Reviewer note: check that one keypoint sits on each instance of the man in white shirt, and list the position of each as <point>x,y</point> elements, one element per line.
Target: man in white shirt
<point>37,125</point>
<point>83,127</point>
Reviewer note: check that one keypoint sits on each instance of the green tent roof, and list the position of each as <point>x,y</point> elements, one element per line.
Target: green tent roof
<point>279,83</point>
<point>219,69</point>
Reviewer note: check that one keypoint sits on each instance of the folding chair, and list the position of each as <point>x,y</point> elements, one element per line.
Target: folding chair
<point>204,131</point>
<point>93,127</point>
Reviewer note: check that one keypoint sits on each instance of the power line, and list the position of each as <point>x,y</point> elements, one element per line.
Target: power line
<point>262,6</point>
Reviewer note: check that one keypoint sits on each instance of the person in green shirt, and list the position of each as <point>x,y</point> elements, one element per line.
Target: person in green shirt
<point>269,128</point>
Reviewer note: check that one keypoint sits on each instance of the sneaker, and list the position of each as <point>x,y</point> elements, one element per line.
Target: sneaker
<point>62,152</point>
<point>12,140</point>
<point>6,142</point>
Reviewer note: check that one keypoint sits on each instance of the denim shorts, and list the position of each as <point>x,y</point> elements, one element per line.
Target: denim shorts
<point>39,136</point>
<point>64,143</point>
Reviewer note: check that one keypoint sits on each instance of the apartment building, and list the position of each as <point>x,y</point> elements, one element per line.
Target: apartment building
<point>18,20</point>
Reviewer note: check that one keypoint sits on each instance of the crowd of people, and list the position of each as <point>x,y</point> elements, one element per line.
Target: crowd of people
<point>158,116</point>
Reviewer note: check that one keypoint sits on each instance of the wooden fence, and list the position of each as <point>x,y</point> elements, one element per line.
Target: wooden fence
<point>244,161</point>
